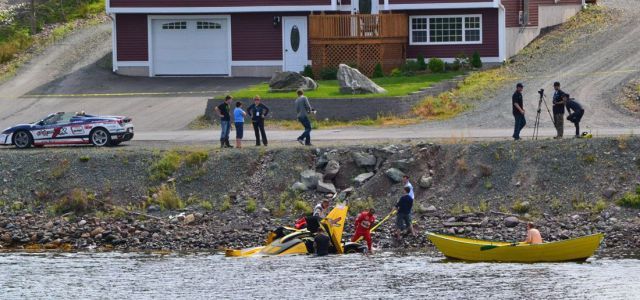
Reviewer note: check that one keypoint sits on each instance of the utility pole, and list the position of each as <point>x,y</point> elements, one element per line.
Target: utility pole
<point>33,17</point>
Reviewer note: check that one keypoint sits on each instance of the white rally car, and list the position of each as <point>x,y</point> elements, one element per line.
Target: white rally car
<point>65,128</point>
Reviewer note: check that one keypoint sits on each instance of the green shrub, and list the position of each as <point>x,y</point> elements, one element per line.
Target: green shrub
<point>329,74</point>
<point>307,72</point>
<point>422,64</point>
<point>410,66</point>
<point>630,199</point>
<point>599,206</point>
<point>76,201</point>
<point>226,203</point>
<point>436,65</point>
<point>251,205</point>
<point>84,158</point>
<point>206,205</point>
<point>168,197</point>
<point>520,207</point>
<point>165,166</point>
<point>196,158</point>
<point>396,72</point>
<point>461,62</point>
<point>476,62</point>
<point>355,207</point>
<point>455,66</point>
<point>377,72</point>
<point>302,206</point>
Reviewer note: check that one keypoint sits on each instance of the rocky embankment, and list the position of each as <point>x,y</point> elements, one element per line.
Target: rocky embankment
<point>202,199</point>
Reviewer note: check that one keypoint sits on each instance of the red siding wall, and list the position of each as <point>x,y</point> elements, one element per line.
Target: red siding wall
<point>433,1</point>
<point>213,3</point>
<point>513,7</point>
<point>253,37</point>
<point>490,41</point>
<point>132,37</point>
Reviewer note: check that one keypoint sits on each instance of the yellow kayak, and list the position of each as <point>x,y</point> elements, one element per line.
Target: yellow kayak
<point>577,249</point>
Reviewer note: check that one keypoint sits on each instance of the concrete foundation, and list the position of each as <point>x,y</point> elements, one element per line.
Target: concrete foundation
<point>254,71</point>
<point>133,71</point>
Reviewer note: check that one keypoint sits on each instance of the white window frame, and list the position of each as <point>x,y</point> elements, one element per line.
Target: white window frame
<point>429,17</point>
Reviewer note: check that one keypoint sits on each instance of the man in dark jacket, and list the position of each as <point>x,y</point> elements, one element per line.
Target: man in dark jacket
<point>575,111</point>
<point>258,111</point>
<point>558,110</point>
<point>517,109</point>
<point>225,121</point>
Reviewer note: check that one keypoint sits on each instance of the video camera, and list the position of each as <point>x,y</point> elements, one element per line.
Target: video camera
<point>541,92</point>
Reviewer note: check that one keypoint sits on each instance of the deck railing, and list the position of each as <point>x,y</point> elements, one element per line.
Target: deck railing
<point>358,26</point>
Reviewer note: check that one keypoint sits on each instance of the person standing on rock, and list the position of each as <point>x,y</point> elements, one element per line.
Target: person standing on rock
<point>407,183</point>
<point>518,111</point>
<point>558,110</point>
<point>403,218</point>
<point>575,116</point>
<point>364,222</point>
<point>303,108</point>
<point>322,209</point>
<point>258,111</point>
<point>225,121</point>
<point>238,119</point>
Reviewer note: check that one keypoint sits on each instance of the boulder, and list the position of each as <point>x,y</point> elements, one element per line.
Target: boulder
<point>362,178</point>
<point>608,193</point>
<point>394,174</point>
<point>363,159</point>
<point>98,230</point>
<point>331,170</point>
<point>511,222</point>
<point>425,182</point>
<point>299,186</point>
<point>290,81</point>
<point>325,187</point>
<point>353,82</point>
<point>403,164</point>
<point>188,219</point>
<point>310,178</point>
<point>431,209</point>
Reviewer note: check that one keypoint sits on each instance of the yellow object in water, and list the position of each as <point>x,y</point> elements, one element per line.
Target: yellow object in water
<point>577,249</point>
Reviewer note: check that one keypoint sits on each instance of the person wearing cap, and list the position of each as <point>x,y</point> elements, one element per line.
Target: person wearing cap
<point>302,109</point>
<point>575,111</point>
<point>558,110</point>
<point>518,111</point>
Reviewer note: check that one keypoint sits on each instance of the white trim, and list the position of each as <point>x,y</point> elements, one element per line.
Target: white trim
<point>502,33</point>
<point>114,42</point>
<point>386,5</point>
<point>141,63</point>
<point>428,17</point>
<point>229,9</point>
<point>256,63</point>
<point>150,18</point>
<point>443,5</point>
<point>334,4</point>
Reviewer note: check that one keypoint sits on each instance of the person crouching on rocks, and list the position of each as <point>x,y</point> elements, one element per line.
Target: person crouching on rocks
<point>364,222</point>
<point>403,218</point>
<point>575,116</point>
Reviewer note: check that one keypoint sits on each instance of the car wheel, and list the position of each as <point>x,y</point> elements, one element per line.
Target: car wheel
<point>22,139</point>
<point>100,137</point>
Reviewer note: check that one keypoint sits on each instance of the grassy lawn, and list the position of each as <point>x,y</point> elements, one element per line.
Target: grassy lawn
<point>395,86</point>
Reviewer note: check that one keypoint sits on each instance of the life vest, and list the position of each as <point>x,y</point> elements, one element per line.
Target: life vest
<point>301,223</point>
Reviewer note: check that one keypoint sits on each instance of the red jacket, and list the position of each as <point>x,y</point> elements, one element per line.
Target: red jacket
<point>301,223</point>
<point>365,221</point>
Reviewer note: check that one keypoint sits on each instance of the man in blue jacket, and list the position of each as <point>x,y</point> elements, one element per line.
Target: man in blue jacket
<point>575,111</point>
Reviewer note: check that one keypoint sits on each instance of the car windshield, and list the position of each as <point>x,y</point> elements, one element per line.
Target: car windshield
<point>58,118</point>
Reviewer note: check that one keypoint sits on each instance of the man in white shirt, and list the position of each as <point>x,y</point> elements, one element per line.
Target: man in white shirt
<point>407,183</point>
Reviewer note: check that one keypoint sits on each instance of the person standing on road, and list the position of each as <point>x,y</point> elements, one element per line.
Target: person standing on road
<point>238,119</point>
<point>258,111</point>
<point>558,110</point>
<point>575,116</point>
<point>518,111</point>
<point>302,109</point>
<point>225,121</point>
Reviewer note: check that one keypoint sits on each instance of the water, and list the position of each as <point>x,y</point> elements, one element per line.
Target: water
<point>385,275</point>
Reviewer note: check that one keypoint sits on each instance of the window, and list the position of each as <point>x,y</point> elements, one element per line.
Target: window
<point>426,30</point>
<point>208,25</point>
<point>175,25</point>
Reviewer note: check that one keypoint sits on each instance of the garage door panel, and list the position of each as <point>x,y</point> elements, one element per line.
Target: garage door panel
<point>190,47</point>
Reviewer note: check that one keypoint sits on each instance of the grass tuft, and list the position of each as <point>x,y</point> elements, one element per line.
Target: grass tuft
<point>165,166</point>
<point>168,197</point>
<point>630,199</point>
<point>302,206</point>
<point>251,206</point>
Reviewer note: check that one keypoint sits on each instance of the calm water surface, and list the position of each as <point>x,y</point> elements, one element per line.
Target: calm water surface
<point>385,275</point>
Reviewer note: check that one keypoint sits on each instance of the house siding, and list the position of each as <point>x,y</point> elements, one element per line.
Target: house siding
<point>132,37</point>
<point>490,41</point>
<point>214,3</point>
<point>513,7</point>
<point>253,37</point>
<point>434,1</point>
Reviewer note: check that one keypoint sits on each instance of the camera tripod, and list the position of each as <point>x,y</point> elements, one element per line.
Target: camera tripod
<point>536,125</point>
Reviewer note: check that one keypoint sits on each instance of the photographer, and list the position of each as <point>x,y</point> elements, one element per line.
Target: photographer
<point>302,109</point>
<point>518,111</point>
<point>577,113</point>
<point>558,110</point>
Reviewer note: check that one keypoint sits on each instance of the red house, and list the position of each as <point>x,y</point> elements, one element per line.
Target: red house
<point>259,37</point>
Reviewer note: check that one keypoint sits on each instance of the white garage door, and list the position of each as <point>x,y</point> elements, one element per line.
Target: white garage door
<point>190,47</point>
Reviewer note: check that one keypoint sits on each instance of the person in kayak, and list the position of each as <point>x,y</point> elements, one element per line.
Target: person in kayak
<point>322,209</point>
<point>533,234</point>
<point>403,218</point>
<point>364,222</point>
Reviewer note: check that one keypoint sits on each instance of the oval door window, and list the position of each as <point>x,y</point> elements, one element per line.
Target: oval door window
<point>295,38</point>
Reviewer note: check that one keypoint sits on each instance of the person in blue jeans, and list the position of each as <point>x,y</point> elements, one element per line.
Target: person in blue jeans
<point>238,119</point>
<point>403,218</point>
<point>517,109</point>
<point>303,108</point>
<point>225,121</point>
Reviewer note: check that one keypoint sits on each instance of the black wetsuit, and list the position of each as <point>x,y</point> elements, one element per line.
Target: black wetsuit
<point>322,243</point>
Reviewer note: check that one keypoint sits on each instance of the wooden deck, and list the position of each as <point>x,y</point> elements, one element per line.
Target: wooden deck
<point>360,40</point>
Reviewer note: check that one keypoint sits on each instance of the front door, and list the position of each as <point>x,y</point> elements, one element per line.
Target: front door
<point>295,43</point>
